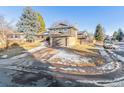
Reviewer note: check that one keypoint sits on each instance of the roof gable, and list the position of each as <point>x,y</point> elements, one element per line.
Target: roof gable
<point>62,25</point>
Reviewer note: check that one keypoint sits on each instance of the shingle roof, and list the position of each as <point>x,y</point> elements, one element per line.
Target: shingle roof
<point>61,25</point>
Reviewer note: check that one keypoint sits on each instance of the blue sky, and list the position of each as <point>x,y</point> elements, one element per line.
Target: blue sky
<point>86,18</point>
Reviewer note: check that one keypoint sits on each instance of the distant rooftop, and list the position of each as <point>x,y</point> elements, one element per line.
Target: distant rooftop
<point>61,25</point>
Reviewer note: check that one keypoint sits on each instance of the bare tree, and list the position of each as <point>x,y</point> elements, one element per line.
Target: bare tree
<point>4,25</point>
<point>2,32</point>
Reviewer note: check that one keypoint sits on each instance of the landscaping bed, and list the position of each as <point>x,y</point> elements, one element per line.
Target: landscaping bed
<point>85,61</point>
<point>77,58</point>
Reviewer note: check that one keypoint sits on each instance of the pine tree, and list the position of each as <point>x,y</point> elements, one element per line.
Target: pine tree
<point>41,23</point>
<point>28,24</point>
<point>99,33</point>
<point>120,34</point>
<point>115,35</point>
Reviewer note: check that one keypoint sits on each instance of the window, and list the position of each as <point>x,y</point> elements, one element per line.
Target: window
<point>11,36</point>
<point>17,36</point>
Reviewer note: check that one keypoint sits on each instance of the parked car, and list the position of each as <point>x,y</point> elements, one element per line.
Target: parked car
<point>109,45</point>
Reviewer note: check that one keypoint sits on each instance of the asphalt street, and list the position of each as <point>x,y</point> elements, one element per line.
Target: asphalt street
<point>120,49</point>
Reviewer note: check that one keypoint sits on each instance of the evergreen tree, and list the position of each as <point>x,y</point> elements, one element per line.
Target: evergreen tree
<point>41,23</point>
<point>28,23</point>
<point>99,33</point>
<point>120,34</point>
<point>115,35</point>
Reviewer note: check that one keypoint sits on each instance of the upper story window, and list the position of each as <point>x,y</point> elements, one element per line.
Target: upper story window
<point>11,36</point>
<point>17,36</point>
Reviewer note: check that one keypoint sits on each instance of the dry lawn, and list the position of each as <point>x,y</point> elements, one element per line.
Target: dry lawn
<point>86,48</point>
<point>26,45</point>
<point>29,46</point>
<point>16,48</point>
<point>89,50</point>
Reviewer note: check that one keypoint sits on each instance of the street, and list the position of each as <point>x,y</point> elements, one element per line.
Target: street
<point>120,49</point>
<point>29,71</point>
<point>36,70</point>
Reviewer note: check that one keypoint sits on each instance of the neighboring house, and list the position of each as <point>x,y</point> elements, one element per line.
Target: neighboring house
<point>9,34</point>
<point>16,36</point>
<point>42,36</point>
<point>4,33</point>
<point>62,35</point>
<point>83,37</point>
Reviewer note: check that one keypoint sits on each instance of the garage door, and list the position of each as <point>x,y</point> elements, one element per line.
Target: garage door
<point>60,42</point>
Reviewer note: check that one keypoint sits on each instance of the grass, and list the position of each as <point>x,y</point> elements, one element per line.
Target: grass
<point>88,48</point>
<point>29,46</point>
<point>26,45</point>
<point>16,48</point>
